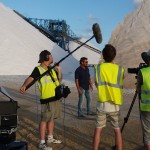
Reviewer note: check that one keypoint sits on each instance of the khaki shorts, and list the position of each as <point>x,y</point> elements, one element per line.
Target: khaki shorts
<point>103,117</point>
<point>145,121</point>
<point>50,111</point>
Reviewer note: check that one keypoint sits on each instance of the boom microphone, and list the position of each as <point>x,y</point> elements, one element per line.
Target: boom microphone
<point>97,33</point>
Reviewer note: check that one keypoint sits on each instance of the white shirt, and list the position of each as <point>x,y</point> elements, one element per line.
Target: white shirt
<point>107,107</point>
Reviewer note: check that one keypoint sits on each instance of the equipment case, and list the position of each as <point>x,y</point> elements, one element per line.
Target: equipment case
<point>16,145</point>
<point>8,119</point>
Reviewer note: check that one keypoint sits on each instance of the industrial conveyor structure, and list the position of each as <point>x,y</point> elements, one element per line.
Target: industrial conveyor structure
<point>57,31</point>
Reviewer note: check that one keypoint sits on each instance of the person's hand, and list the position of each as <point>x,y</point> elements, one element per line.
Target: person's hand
<point>57,68</point>
<point>91,87</point>
<point>80,91</point>
<point>22,89</point>
<point>59,72</point>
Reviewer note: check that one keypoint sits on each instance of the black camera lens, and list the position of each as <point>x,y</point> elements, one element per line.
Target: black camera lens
<point>133,70</point>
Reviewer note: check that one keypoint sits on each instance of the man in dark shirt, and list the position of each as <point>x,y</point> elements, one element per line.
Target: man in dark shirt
<point>84,85</point>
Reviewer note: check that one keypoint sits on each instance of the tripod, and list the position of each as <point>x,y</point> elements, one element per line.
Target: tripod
<point>127,117</point>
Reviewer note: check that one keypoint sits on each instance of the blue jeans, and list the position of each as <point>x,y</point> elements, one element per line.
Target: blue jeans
<point>88,101</point>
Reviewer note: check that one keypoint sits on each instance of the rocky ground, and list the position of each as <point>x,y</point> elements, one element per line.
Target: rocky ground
<point>75,133</point>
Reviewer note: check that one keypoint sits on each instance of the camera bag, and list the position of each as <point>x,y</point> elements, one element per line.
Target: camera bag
<point>61,90</point>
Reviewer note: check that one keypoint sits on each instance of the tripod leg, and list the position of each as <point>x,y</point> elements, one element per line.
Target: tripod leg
<point>129,112</point>
<point>127,117</point>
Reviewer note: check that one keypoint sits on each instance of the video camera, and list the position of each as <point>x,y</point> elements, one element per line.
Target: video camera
<point>136,70</point>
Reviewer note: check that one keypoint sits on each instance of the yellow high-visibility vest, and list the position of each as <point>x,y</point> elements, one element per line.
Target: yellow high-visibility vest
<point>109,82</point>
<point>145,90</point>
<point>46,85</point>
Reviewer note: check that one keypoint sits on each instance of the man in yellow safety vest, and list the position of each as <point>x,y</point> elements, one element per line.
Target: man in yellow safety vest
<point>143,88</point>
<point>50,106</point>
<point>109,83</point>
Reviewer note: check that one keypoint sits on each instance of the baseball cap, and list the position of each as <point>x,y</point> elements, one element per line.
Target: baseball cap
<point>148,53</point>
<point>145,56</point>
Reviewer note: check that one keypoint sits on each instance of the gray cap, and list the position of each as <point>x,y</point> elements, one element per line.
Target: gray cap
<point>148,53</point>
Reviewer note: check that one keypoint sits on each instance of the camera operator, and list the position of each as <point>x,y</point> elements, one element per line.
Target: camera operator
<point>143,88</point>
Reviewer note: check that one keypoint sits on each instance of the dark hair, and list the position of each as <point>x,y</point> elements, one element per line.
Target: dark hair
<point>82,59</point>
<point>44,56</point>
<point>109,52</point>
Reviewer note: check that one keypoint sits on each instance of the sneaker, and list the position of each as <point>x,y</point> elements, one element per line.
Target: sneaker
<point>81,116</point>
<point>43,146</point>
<point>52,140</point>
<point>91,114</point>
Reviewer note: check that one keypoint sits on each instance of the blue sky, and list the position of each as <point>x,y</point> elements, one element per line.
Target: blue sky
<point>80,15</point>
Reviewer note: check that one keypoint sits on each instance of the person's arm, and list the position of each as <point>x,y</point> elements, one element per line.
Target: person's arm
<point>78,87</point>
<point>59,72</point>
<point>77,81</point>
<point>35,73</point>
<point>139,82</point>
<point>27,82</point>
<point>91,84</point>
<point>95,76</point>
<point>90,81</point>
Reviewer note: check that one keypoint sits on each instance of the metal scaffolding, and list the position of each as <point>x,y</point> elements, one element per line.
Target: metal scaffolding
<point>58,29</point>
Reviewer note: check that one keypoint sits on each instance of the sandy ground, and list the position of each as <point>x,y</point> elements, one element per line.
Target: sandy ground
<point>75,133</point>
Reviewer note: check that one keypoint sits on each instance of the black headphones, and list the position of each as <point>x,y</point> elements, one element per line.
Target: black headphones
<point>46,55</point>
